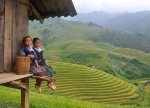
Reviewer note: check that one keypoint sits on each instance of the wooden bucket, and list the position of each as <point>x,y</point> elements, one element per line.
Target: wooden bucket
<point>22,65</point>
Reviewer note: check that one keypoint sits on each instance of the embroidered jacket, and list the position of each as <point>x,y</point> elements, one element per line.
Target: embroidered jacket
<point>30,51</point>
<point>40,57</point>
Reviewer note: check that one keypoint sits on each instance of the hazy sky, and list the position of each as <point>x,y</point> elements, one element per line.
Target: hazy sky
<point>83,6</point>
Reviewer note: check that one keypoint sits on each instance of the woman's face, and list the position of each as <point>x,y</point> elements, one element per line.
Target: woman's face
<point>37,44</point>
<point>28,42</point>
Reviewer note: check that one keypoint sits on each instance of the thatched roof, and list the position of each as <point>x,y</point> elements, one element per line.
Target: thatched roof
<point>51,8</point>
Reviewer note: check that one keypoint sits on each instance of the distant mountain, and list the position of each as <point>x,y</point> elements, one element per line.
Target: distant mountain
<point>94,33</point>
<point>138,22</point>
<point>98,17</point>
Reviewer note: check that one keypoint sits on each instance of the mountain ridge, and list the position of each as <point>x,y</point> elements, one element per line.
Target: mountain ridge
<point>126,21</point>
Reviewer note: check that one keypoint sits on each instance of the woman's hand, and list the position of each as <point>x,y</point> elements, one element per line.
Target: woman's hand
<point>46,62</point>
<point>37,66</point>
<point>53,67</point>
<point>30,55</point>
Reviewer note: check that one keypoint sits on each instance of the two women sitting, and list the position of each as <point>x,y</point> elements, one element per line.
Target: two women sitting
<point>38,66</point>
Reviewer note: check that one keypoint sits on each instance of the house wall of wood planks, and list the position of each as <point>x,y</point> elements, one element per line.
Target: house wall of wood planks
<point>14,24</point>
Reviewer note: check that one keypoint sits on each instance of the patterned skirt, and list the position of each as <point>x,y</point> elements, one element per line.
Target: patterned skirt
<point>38,71</point>
<point>50,70</point>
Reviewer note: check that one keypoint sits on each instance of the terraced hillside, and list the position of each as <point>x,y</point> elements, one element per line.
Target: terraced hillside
<point>89,84</point>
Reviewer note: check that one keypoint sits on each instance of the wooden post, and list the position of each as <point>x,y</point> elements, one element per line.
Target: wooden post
<point>8,35</point>
<point>2,20</point>
<point>25,94</point>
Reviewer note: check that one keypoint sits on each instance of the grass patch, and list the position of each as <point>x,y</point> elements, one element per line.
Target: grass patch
<point>10,98</point>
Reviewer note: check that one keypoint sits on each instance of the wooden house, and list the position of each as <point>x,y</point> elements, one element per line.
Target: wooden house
<point>14,24</point>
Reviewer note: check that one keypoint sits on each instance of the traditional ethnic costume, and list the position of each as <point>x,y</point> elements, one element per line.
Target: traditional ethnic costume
<point>33,69</point>
<point>41,61</point>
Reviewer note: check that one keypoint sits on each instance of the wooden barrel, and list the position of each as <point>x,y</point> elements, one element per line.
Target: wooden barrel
<point>22,65</point>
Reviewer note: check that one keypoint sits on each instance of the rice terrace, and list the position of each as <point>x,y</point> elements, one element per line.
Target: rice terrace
<point>74,54</point>
<point>84,83</point>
